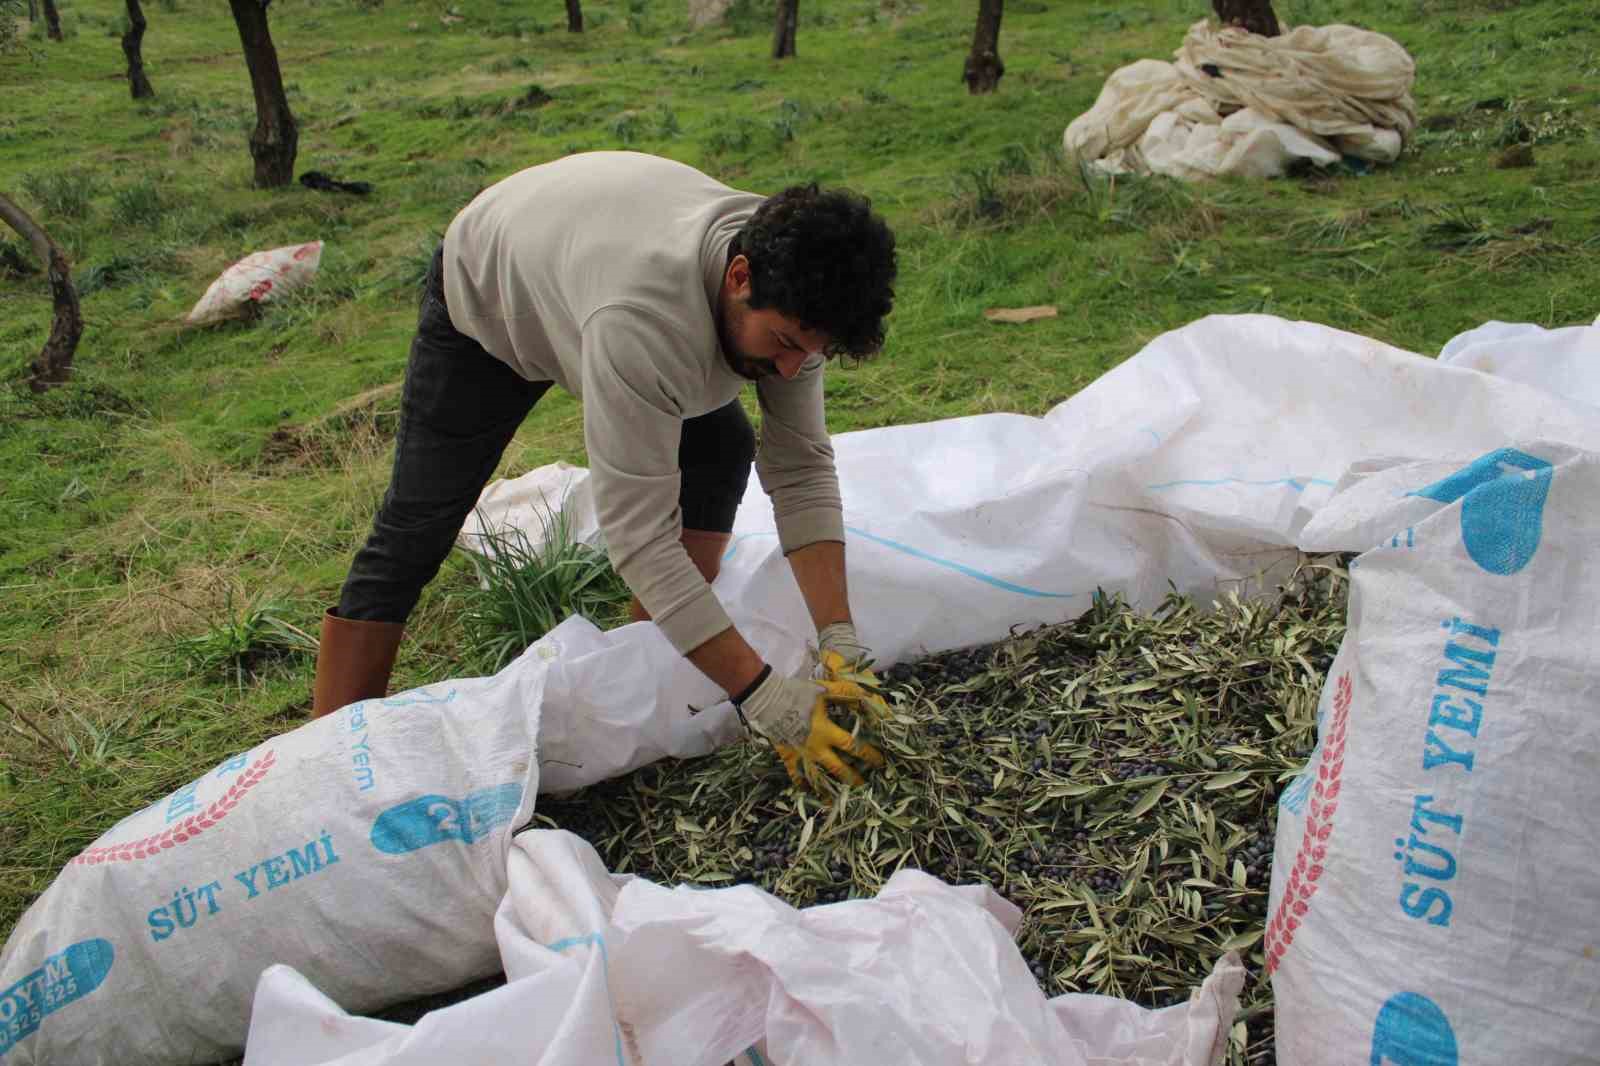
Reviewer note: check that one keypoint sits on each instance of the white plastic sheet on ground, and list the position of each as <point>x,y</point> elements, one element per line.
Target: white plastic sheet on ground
<point>1201,462</point>
<point>1235,102</point>
<point>605,970</point>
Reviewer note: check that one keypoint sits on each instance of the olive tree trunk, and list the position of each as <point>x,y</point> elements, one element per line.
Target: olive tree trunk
<point>273,141</point>
<point>783,30</point>
<point>983,68</point>
<point>52,20</point>
<point>1254,15</point>
<point>132,42</point>
<point>54,363</point>
<point>574,16</point>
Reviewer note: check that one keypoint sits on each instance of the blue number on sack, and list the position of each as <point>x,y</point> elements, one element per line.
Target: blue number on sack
<point>1412,1031</point>
<point>1503,515</point>
<point>64,977</point>
<point>433,819</point>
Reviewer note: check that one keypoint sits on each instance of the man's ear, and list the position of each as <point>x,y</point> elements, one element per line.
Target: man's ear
<point>736,280</point>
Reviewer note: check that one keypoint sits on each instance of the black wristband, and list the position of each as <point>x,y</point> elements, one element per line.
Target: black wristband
<point>749,690</point>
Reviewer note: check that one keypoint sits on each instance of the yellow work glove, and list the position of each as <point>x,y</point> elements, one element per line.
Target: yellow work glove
<point>842,657</point>
<point>792,712</point>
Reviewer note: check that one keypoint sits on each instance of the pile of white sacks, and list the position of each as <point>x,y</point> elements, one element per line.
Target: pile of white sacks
<point>1234,102</point>
<point>1431,901</point>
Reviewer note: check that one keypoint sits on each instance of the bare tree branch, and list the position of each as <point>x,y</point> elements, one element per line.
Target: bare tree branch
<point>54,364</point>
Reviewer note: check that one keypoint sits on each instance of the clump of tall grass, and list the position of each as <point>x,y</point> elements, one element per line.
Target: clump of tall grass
<point>66,194</point>
<point>139,204</point>
<point>243,643</point>
<point>527,587</point>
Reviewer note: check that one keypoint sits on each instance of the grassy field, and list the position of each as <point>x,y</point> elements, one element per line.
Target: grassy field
<point>174,520</point>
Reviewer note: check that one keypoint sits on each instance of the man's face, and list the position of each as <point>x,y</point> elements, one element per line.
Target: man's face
<point>764,343</point>
<point>760,343</point>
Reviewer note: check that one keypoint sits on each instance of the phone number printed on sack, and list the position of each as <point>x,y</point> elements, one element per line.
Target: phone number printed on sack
<point>65,977</point>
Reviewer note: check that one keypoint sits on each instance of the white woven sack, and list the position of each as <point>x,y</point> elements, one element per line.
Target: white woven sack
<point>1235,102</point>
<point>607,969</point>
<point>257,278</point>
<point>1565,361</point>
<point>367,847</point>
<point>1433,899</point>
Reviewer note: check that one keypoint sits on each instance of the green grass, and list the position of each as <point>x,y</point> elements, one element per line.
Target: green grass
<point>144,501</point>
<point>526,588</point>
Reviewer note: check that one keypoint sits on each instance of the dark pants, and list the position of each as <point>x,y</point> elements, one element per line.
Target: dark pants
<point>459,409</point>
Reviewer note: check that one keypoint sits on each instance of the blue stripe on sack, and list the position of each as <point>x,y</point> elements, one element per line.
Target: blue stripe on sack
<point>595,939</point>
<point>755,1057</point>
<point>959,568</point>
<point>918,553</point>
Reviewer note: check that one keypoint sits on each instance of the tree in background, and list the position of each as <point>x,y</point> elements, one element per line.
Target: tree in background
<point>52,20</point>
<point>54,363</point>
<point>574,17</point>
<point>783,33</point>
<point>138,84</point>
<point>10,11</point>
<point>273,141</point>
<point>983,67</point>
<point>1254,15</point>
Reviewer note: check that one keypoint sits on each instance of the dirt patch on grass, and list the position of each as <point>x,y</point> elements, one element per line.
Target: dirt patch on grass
<point>365,420</point>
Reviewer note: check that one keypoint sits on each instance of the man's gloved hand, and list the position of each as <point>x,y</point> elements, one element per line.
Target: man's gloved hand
<point>792,712</point>
<point>842,657</point>
<point>840,639</point>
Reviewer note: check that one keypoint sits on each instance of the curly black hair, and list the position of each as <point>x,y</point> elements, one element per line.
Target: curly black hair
<point>822,257</point>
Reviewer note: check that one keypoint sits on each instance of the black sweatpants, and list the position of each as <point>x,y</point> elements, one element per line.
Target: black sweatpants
<point>459,409</point>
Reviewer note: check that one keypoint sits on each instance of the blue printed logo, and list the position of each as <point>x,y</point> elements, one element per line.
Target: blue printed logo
<point>1412,1031</point>
<point>65,977</point>
<point>433,819</point>
<point>1503,515</point>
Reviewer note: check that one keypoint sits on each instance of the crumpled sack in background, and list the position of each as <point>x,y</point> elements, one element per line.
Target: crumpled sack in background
<point>256,279</point>
<point>1235,102</point>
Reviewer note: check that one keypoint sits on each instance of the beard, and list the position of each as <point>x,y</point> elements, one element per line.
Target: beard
<point>739,361</point>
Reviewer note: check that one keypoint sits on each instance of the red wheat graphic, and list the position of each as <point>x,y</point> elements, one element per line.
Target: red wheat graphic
<point>190,827</point>
<point>1308,862</point>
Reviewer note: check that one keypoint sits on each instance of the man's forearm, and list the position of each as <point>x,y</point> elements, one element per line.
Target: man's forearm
<point>819,571</point>
<point>728,660</point>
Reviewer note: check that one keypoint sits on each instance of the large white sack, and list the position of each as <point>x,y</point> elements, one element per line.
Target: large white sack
<point>366,848</point>
<point>1564,361</point>
<point>1194,464</point>
<point>620,970</point>
<point>615,701</point>
<point>1433,898</point>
